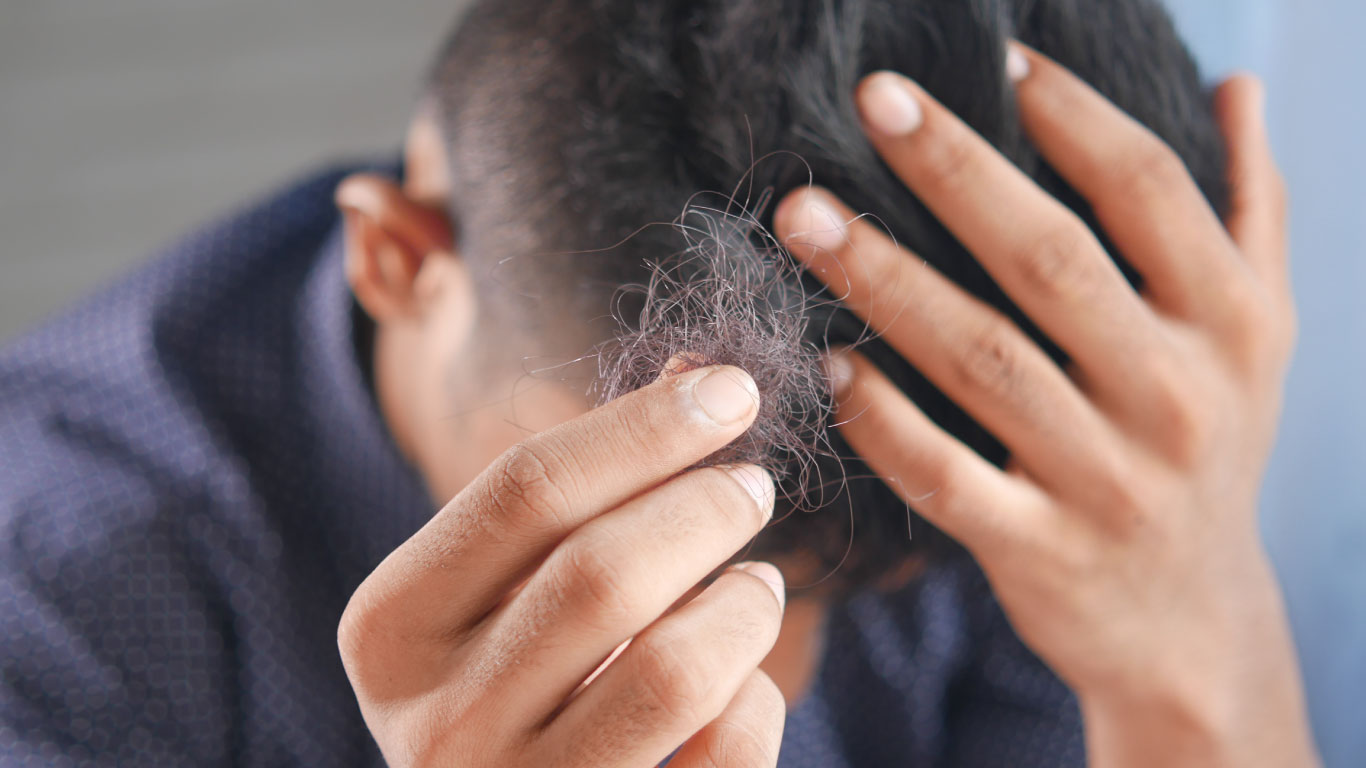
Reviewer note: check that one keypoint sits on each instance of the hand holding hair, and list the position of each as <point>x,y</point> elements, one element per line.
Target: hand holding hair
<point>1121,539</point>
<point>471,643</point>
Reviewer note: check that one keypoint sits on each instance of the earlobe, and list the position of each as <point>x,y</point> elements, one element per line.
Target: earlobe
<point>389,238</point>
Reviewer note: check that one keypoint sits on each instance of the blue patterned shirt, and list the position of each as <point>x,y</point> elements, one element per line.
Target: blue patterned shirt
<point>194,477</point>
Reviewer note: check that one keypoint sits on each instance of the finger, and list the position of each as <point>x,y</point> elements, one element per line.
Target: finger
<point>1257,198</point>
<point>458,566</point>
<point>1141,192</point>
<point>972,352</point>
<point>1039,251</point>
<point>746,735</point>
<point>609,580</point>
<point>947,483</point>
<point>673,679</point>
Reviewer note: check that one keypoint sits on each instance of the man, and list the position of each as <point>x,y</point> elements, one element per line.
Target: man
<point>204,465</point>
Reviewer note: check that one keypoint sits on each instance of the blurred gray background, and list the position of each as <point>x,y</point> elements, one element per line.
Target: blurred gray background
<point>124,123</point>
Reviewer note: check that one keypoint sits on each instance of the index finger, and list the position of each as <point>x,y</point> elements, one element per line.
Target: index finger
<point>459,566</point>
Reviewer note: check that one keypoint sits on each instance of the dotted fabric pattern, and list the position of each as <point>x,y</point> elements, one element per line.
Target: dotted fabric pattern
<point>194,478</point>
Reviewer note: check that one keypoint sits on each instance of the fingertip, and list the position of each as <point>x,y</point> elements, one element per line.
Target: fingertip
<point>1025,65</point>
<point>809,223</point>
<point>787,205</point>
<point>840,370</point>
<point>769,575</point>
<point>872,385</point>
<point>1245,84</point>
<point>757,482</point>
<point>889,104</point>
<point>1240,103</point>
<point>1256,188</point>
<point>1017,62</point>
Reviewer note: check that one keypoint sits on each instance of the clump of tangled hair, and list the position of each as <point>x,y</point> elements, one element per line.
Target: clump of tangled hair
<point>572,124</point>
<point>730,296</point>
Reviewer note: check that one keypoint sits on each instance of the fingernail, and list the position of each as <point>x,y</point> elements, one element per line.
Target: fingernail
<point>888,105</point>
<point>1017,64</point>
<point>816,224</point>
<point>757,483</point>
<point>769,575</point>
<point>840,370</point>
<point>727,395</point>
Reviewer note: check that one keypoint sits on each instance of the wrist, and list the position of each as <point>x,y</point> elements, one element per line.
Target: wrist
<point>1173,729</point>
<point>1178,734</point>
<point>1242,707</point>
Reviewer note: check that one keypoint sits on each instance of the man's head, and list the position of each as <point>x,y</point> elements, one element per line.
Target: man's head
<point>556,130</point>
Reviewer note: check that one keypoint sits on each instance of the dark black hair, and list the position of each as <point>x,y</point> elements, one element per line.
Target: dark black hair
<point>572,123</point>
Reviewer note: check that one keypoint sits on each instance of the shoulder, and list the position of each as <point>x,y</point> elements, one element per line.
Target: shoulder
<point>112,416</point>
<point>118,394</point>
<point>139,553</point>
<point>202,285</point>
<point>108,599</point>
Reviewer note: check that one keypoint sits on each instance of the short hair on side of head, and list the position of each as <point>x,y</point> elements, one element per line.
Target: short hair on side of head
<point>573,123</point>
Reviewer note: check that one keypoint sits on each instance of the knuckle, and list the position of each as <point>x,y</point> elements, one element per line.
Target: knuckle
<point>588,578</point>
<point>365,643</point>
<point>529,493</point>
<point>1253,328</point>
<point>365,626</point>
<point>1121,492</point>
<point>672,682</point>
<point>1076,560</point>
<point>1178,415</point>
<point>1058,262</point>
<point>989,361</point>
<point>1190,436</point>
<point>1252,318</point>
<point>1248,305</point>
<point>1151,170</point>
<point>938,492</point>
<point>947,162</point>
<point>355,630</point>
<point>943,486</point>
<point>636,428</point>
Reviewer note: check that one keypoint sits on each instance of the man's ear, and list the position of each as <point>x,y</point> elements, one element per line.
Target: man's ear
<point>389,239</point>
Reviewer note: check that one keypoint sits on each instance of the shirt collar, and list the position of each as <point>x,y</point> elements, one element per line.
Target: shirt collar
<point>375,498</point>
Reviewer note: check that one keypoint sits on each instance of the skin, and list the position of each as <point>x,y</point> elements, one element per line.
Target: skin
<point>1121,540</point>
